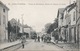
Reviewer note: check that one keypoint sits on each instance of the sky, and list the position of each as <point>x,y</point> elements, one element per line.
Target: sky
<point>36,13</point>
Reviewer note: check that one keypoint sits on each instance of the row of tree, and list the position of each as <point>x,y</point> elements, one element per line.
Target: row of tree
<point>12,29</point>
<point>51,26</point>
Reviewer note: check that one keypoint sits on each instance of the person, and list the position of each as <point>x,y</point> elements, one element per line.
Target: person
<point>35,38</point>
<point>56,37</point>
<point>49,39</point>
<point>23,41</point>
<point>38,39</point>
<point>61,39</point>
<point>42,38</point>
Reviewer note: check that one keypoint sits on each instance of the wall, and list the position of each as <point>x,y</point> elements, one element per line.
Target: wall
<point>64,19</point>
<point>73,24</point>
<point>78,20</point>
<point>3,27</point>
<point>27,30</point>
<point>59,20</point>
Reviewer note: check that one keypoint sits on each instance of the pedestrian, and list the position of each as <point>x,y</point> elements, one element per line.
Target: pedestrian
<point>49,39</point>
<point>35,38</point>
<point>53,40</point>
<point>38,39</point>
<point>23,41</point>
<point>42,38</point>
<point>56,37</point>
<point>61,39</point>
<point>22,44</point>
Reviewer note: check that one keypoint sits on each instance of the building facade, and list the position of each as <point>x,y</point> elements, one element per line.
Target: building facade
<point>67,23</point>
<point>27,31</point>
<point>70,17</point>
<point>78,20</point>
<point>72,25</point>
<point>60,22</point>
<point>3,22</point>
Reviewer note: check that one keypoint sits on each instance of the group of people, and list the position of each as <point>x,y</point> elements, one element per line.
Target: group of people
<point>38,38</point>
<point>43,39</point>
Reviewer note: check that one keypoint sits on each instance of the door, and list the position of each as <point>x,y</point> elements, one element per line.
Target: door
<point>75,34</point>
<point>72,30</point>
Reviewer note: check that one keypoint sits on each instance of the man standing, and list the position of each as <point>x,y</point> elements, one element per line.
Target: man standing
<point>38,39</point>
<point>42,38</point>
<point>23,41</point>
<point>35,38</point>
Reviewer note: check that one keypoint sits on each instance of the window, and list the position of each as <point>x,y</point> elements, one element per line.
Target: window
<point>69,18</point>
<point>4,20</point>
<point>73,16</point>
<point>4,10</point>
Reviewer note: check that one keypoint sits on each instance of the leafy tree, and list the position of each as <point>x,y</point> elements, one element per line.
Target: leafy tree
<point>9,29</point>
<point>47,27</point>
<point>16,29</point>
<point>53,26</point>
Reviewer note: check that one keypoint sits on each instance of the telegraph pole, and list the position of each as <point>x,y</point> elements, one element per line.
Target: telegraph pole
<point>16,28</point>
<point>22,24</point>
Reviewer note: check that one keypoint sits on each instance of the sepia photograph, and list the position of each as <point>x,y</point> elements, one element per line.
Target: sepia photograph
<point>39,25</point>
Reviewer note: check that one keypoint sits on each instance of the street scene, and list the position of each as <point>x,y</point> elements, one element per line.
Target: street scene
<point>40,25</point>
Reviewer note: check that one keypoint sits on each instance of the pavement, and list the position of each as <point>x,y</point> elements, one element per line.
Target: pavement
<point>69,46</point>
<point>8,44</point>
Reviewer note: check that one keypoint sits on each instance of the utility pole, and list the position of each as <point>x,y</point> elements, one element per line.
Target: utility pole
<point>22,24</point>
<point>16,28</point>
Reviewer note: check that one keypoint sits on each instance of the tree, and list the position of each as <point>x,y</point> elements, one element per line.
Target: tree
<point>47,27</point>
<point>9,29</point>
<point>13,29</point>
<point>53,26</point>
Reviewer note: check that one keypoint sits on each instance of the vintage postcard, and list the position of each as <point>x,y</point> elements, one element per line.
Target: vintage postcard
<point>39,25</point>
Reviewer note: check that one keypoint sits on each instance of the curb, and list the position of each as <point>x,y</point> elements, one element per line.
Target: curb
<point>9,46</point>
<point>57,45</point>
<point>12,46</point>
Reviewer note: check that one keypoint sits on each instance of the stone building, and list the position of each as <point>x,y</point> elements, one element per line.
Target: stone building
<point>60,21</point>
<point>3,22</point>
<point>78,20</point>
<point>67,23</point>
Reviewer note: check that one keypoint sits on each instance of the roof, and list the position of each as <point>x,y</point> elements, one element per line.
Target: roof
<point>4,5</point>
<point>74,5</point>
<point>26,26</point>
<point>71,6</point>
<point>61,11</point>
